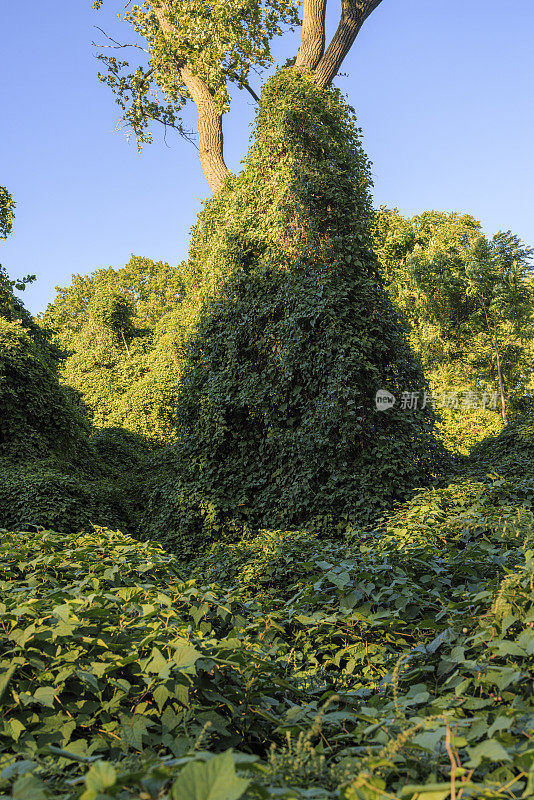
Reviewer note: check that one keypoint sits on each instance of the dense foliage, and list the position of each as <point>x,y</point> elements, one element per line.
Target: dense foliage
<point>117,328</point>
<point>288,334</point>
<point>360,668</point>
<point>468,302</point>
<point>53,472</point>
<point>311,599</point>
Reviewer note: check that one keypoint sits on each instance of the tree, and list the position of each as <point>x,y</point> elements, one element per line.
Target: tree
<point>117,329</point>
<point>468,303</point>
<point>7,212</point>
<point>152,288</point>
<point>287,335</point>
<point>500,284</point>
<point>52,472</point>
<point>36,412</point>
<point>196,50</point>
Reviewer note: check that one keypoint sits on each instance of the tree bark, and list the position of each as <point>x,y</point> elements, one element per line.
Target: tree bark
<point>210,132</point>
<point>495,344</point>
<point>353,15</point>
<point>501,384</point>
<point>313,34</point>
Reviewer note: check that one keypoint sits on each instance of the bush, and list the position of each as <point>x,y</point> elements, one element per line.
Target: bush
<point>511,453</point>
<point>122,679</point>
<point>109,652</point>
<point>37,414</point>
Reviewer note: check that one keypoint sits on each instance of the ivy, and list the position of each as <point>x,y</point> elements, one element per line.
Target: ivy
<point>287,333</point>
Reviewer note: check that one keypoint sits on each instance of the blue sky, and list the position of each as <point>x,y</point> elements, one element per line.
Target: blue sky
<point>443,90</point>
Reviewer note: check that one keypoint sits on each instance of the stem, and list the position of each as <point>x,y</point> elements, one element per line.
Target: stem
<point>499,373</point>
<point>125,344</point>
<point>495,344</point>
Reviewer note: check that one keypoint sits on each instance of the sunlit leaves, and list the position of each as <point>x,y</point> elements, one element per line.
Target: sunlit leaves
<point>7,212</point>
<point>222,42</point>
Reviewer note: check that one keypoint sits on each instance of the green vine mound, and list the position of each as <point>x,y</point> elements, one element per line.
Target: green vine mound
<point>53,472</point>
<point>287,334</point>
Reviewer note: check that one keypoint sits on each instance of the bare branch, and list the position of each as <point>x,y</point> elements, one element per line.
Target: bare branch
<point>245,85</point>
<point>116,45</point>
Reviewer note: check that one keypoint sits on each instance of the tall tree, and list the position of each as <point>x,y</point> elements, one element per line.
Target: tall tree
<point>468,300</point>
<point>116,327</point>
<point>197,50</point>
<point>500,285</point>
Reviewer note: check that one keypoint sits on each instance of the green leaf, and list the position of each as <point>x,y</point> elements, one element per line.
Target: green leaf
<point>215,779</point>
<point>45,696</point>
<point>185,655</point>
<point>5,678</point>
<point>340,580</point>
<point>491,749</point>
<point>133,729</point>
<point>14,728</point>
<point>100,777</point>
<point>28,787</point>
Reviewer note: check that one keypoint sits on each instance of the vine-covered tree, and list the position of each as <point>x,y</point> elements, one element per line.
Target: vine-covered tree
<point>196,51</point>
<point>116,328</point>
<point>285,333</point>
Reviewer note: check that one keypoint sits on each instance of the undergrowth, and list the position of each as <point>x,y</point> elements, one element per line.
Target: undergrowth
<point>381,665</point>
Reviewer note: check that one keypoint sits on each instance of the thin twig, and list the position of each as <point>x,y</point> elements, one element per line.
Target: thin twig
<point>116,45</point>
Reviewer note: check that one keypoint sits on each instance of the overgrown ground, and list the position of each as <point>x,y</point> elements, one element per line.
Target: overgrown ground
<point>396,662</point>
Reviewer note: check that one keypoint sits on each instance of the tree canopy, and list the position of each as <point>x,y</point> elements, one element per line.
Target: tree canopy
<point>467,300</point>
<point>7,212</point>
<point>196,51</point>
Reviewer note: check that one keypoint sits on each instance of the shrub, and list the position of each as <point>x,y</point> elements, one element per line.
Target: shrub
<point>511,453</point>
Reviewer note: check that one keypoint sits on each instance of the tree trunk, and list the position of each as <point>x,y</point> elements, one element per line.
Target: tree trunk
<point>210,133</point>
<point>125,342</point>
<point>353,15</point>
<point>501,384</point>
<point>313,34</point>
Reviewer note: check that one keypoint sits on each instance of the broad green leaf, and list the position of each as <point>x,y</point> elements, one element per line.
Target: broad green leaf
<point>491,749</point>
<point>5,679</point>
<point>215,779</point>
<point>101,776</point>
<point>185,655</point>
<point>45,696</point>
<point>133,729</point>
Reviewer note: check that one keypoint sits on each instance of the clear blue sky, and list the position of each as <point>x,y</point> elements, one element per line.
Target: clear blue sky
<point>443,90</point>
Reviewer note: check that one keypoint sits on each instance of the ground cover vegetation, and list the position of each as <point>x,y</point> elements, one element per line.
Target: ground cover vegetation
<point>224,573</point>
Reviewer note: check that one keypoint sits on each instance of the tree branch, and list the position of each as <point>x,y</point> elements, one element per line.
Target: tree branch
<point>313,34</point>
<point>210,133</point>
<point>116,45</point>
<point>244,85</point>
<point>251,91</point>
<point>353,15</point>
